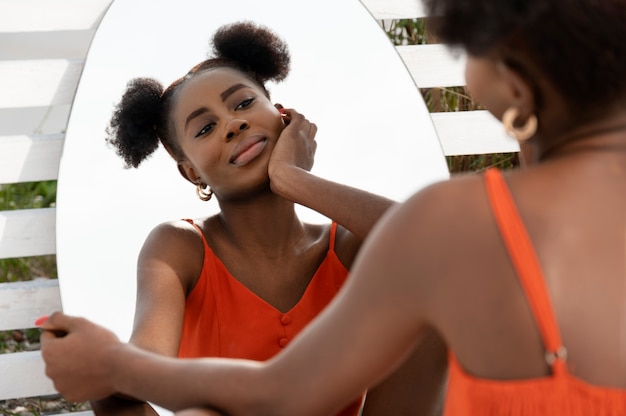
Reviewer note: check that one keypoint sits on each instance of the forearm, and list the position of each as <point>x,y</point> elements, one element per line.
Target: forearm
<point>226,385</point>
<point>355,209</point>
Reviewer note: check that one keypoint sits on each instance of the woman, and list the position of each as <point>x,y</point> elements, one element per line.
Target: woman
<point>241,283</point>
<point>527,286</point>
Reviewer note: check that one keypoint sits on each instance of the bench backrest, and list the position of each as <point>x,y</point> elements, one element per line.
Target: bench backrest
<point>43,44</point>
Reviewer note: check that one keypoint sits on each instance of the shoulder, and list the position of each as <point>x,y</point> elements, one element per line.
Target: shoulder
<point>176,246</point>
<point>437,208</point>
<point>174,232</point>
<point>437,234</point>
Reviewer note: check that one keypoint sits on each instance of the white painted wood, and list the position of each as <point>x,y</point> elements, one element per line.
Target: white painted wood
<point>50,15</point>
<point>434,65</point>
<point>23,375</point>
<point>34,120</point>
<point>55,44</point>
<point>28,83</point>
<point>30,158</point>
<point>87,413</point>
<point>472,132</point>
<point>23,302</point>
<point>27,232</point>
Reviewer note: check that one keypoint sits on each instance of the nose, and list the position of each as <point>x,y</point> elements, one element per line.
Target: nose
<point>235,127</point>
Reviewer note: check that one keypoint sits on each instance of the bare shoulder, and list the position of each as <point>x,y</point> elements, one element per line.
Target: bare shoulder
<point>435,236</point>
<point>442,207</point>
<point>175,246</point>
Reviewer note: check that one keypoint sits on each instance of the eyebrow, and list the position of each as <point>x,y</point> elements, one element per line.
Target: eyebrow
<point>224,95</point>
<point>231,90</point>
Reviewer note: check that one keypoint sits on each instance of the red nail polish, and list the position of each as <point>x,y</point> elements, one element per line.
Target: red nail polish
<point>41,320</point>
<point>282,111</point>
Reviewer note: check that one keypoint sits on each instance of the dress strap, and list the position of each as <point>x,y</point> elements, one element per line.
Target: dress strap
<point>190,221</point>
<point>333,233</point>
<point>526,263</point>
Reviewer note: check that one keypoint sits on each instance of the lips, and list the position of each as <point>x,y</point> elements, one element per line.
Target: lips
<point>247,150</point>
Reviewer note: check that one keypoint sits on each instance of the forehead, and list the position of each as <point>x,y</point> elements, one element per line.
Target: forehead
<point>211,84</point>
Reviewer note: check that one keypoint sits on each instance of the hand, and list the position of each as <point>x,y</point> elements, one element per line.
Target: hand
<point>296,145</point>
<point>78,356</point>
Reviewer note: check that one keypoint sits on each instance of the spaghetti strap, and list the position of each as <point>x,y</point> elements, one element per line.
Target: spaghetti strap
<point>526,263</point>
<point>190,221</point>
<point>333,233</point>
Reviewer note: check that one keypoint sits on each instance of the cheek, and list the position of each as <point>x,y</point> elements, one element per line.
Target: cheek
<point>476,78</point>
<point>483,84</point>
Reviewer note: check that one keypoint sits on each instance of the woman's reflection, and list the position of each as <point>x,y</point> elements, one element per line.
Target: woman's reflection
<point>243,282</point>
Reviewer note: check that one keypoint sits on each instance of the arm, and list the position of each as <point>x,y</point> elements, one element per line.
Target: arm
<point>383,306</point>
<point>417,387</point>
<point>289,167</point>
<point>161,270</point>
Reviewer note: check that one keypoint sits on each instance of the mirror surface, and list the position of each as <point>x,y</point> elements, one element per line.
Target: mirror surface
<point>374,131</point>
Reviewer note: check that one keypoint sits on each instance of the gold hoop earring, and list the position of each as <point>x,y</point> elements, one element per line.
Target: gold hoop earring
<point>520,134</point>
<point>202,194</point>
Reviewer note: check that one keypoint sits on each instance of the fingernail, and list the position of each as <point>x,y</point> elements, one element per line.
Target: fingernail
<point>282,111</point>
<point>41,320</point>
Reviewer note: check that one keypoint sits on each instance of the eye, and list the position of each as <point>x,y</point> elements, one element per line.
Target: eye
<point>206,129</point>
<point>245,103</point>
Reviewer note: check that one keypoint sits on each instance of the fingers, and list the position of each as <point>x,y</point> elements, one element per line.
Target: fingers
<point>298,121</point>
<point>58,321</point>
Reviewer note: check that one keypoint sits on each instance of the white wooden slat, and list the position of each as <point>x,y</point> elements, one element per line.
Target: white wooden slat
<point>34,120</point>
<point>49,15</point>
<point>87,413</point>
<point>27,232</point>
<point>27,83</point>
<point>37,95</point>
<point>23,375</point>
<point>472,132</point>
<point>434,65</point>
<point>23,302</point>
<point>395,9</point>
<point>58,44</point>
<point>30,158</point>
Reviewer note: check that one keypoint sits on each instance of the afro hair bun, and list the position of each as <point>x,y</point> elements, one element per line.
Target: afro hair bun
<point>255,48</point>
<point>132,127</point>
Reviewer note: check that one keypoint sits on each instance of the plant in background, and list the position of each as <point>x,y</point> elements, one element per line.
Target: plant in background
<point>415,32</point>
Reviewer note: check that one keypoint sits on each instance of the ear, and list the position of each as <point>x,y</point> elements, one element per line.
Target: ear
<point>519,90</point>
<point>188,172</point>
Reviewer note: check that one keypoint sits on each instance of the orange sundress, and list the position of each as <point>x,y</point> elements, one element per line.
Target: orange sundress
<point>557,394</point>
<point>223,318</point>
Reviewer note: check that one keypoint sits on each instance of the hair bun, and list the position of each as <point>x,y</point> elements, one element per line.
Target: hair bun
<point>132,127</point>
<point>255,48</point>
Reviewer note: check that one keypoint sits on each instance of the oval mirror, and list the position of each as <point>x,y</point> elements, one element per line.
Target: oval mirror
<point>374,131</point>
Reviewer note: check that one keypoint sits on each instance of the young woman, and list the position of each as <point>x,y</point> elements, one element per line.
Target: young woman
<point>523,273</point>
<point>241,283</point>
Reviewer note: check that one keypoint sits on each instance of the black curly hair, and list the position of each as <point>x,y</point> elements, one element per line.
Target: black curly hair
<point>579,45</point>
<point>141,119</point>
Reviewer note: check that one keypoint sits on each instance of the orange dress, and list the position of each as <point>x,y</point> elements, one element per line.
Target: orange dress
<point>557,394</point>
<point>223,318</point>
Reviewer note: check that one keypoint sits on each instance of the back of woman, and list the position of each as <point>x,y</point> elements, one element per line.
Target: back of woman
<point>554,74</point>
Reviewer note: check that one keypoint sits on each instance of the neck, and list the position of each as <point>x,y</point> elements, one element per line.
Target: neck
<point>266,225</point>
<point>607,135</point>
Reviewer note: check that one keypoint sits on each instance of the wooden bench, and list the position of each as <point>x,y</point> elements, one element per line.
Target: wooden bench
<point>43,44</point>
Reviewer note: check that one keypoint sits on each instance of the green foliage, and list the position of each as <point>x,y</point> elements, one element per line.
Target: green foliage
<point>27,195</point>
<point>406,31</point>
